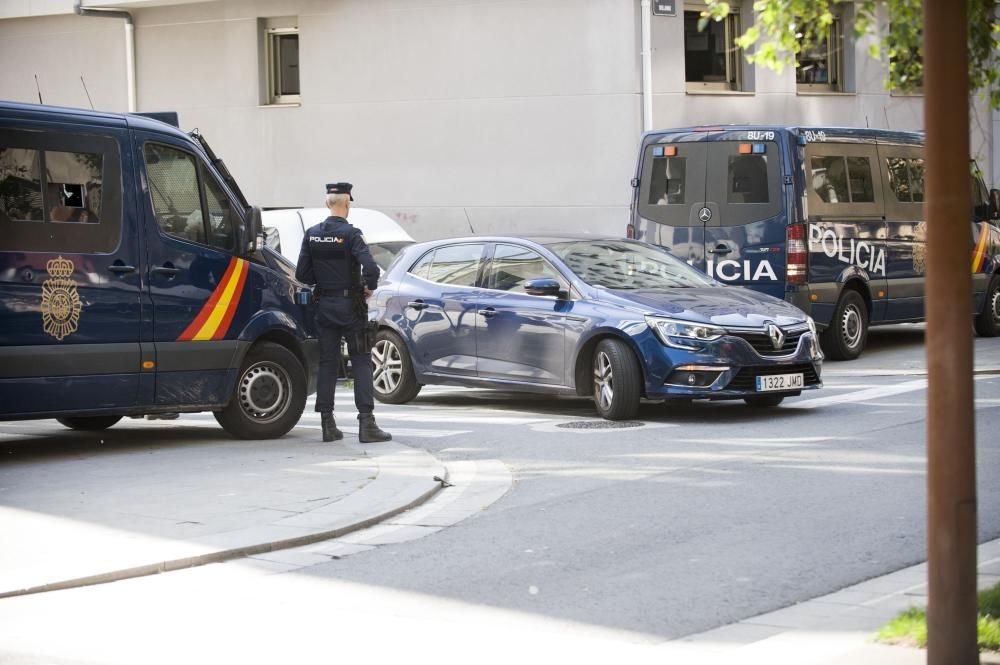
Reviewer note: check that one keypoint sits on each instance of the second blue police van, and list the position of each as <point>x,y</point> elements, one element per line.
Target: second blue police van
<point>830,219</point>
<point>133,280</point>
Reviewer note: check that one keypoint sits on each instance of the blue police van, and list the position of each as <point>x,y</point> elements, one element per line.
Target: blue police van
<point>830,219</point>
<point>134,281</point>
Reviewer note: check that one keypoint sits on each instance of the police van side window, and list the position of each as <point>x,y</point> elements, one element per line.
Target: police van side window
<point>56,190</point>
<point>221,230</point>
<point>906,179</point>
<point>173,187</point>
<point>840,179</point>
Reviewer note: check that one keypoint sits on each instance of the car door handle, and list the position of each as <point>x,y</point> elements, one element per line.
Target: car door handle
<point>417,305</point>
<point>489,312</point>
<point>167,270</point>
<point>720,249</point>
<point>121,268</point>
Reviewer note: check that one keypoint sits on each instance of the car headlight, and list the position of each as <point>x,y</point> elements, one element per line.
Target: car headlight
<point>683,334</point>
<point>811,324</point>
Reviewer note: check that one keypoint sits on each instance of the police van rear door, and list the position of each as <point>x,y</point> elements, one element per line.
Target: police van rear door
<point>744,221</point>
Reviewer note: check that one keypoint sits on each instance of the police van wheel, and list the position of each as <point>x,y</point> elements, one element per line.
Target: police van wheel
<point>617,380</point>
<point>845,337</point>
<point>89,423</point>
<point>395,382</point>
<point>759,401</point>
<point>988,320</point>
<point>269,395</point>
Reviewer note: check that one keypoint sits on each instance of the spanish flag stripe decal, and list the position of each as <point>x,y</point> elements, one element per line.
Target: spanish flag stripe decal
<point>220,333</point>
<point>213,312</point>
<point>980,254</point>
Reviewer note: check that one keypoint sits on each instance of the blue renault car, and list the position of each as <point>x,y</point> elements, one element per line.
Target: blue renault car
<point>616,319</point>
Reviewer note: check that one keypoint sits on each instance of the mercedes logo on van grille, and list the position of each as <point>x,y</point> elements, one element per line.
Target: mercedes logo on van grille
<point>704,214</point>
<point>777,336</point>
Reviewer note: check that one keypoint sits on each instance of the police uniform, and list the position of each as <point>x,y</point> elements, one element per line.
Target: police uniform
<point>331,253</point>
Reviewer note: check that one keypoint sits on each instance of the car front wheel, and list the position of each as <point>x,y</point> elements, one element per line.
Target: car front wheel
<point>988,320</point>
<point>269,396</point>
<point>617,380</point>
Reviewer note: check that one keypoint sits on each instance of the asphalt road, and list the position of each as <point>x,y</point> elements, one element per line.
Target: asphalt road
<point>692,517</point>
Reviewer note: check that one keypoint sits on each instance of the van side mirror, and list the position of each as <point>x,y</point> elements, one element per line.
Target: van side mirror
<point>253,239</point>
<point>543,286</point>
<point>995,204</point>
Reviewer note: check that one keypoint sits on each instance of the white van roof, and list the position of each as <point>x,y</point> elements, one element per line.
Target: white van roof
<point>377,226</point>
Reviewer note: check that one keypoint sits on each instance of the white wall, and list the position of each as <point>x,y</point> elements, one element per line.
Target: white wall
<point>494,115</point>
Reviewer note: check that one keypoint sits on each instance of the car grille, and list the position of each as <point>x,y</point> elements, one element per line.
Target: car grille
<point>746,378</point>
<point>761,342</point>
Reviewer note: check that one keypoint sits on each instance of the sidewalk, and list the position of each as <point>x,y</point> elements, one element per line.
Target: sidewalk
<point>76,513</point>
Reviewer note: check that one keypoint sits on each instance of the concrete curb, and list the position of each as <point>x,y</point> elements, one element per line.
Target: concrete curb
<point>240,551</point>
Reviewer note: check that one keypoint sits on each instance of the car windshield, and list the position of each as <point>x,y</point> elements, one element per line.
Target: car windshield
<point>623,264</point>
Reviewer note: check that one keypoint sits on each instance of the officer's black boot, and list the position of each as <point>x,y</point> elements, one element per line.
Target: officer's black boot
<point>368,430</point>
<point>330,431</point>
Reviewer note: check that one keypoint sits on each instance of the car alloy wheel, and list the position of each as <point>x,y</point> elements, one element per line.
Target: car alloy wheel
<point>604,389</point>
<point>388,366</point>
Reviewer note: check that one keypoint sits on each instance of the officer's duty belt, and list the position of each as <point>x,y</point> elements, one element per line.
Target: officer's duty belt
<point>333,293</point>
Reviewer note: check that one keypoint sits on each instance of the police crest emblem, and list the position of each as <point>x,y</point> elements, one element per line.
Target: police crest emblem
<point>60,300</point>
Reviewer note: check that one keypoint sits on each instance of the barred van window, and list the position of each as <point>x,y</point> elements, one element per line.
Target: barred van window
<point>173,187</point>
<point>20,184</point>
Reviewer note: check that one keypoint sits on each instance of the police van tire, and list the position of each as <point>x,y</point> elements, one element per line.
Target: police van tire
<point>845,337</point>
<point>988,320</point>
<point>761,401</point>
<point>89,423</point>
<point>617,379</point>
<point>394,379</point>
<point>269,395</point>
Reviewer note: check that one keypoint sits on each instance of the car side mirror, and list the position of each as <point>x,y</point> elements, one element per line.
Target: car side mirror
<point>995,204</point>
<point>543,286</point>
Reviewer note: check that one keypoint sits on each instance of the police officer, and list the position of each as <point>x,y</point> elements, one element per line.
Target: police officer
<point>331,253</point>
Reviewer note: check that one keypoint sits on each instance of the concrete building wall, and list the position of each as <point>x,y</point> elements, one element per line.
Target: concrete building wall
<point>452,115</point>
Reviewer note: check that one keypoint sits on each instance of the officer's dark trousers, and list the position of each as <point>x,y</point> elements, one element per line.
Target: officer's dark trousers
<point>335,320</point>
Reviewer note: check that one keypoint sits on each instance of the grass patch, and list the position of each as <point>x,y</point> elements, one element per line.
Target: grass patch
<point>910,627</point>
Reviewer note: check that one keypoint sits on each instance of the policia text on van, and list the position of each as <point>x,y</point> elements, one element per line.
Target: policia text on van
<point>131,281</point>
<point>830,219</point>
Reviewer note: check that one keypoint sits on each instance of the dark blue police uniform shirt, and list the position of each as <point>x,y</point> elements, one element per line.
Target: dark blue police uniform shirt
<point>325,258</point>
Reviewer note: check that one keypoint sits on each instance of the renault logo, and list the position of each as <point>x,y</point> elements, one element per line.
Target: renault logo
<point>704,215</point>
<point>776,334</point>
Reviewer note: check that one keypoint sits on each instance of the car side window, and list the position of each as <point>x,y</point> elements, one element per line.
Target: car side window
<point>457,265</point>
<point>422,268</point>
<point>173,187</point>
<point>514,266</point>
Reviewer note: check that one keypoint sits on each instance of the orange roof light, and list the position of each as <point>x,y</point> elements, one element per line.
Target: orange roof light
<point>669,150</point>
<point>746,148</point>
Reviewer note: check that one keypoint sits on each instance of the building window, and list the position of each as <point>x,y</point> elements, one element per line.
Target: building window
<point>821,63</point>
<point>712,60</point>
<point>280,60</point>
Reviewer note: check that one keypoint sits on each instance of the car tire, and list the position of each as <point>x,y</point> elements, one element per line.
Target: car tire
<point>845,337</point>
<point>617,380</point>
<point>988,320</point>
<point>762,401</point>
<point>268,397</point>
<point>394,378</point>
<point>89,423</point>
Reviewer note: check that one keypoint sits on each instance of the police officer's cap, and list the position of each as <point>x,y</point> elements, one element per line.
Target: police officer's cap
<point>340,188</point>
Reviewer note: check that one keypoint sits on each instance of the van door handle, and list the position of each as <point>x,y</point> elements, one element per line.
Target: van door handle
<point>720,249</point>
<point>121,268</point>
<point>167,270</point>
<point>488,313</point>
<point>417,305</point>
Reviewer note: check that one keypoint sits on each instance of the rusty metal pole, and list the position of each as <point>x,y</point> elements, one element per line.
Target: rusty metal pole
<point>951,454</point>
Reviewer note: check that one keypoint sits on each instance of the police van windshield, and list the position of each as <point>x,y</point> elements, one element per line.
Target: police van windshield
<point>741,178</point>
<point>619,264</point>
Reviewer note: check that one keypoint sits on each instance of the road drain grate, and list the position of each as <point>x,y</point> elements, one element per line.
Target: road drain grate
<point>600,424</point>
